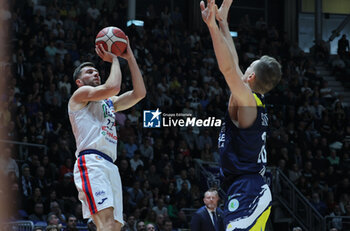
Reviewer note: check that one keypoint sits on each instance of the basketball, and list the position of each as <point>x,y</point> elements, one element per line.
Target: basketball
<point>112,39</point>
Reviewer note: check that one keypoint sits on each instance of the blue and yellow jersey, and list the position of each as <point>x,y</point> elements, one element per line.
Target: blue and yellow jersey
<point>242,151</point>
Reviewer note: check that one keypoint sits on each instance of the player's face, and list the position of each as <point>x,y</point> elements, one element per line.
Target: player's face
<point>211,200</point>
<point>90,76</point>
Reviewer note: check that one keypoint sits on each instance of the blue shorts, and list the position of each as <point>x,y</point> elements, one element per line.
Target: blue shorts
<point>248,204</point>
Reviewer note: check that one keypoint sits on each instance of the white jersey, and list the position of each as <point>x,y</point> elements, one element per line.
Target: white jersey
<point>94,128</point>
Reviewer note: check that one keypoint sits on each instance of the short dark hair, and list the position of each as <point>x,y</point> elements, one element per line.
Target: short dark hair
<point>268,74</point>
<point>77,70</point>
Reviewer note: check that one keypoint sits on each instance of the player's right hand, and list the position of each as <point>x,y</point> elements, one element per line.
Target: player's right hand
<point>104,55</point>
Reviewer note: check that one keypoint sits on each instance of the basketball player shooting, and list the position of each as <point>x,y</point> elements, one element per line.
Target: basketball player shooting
<point>242,138</point>
<point>91,112</point>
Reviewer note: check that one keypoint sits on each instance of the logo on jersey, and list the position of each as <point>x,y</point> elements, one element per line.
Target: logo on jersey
<point>151,118</point>
<point>100,193</point>
<point>265,119</point>
<point>108,108</point>
<point>103,200</point>
<point>98,157</point>
<point>233,205</point>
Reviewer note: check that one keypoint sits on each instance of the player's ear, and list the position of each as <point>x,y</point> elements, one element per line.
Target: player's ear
<point>78,82</point>
<point>251,77</point>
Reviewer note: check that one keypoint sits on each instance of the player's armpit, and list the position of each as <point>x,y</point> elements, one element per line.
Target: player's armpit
<point>242,116</point>
<point>88,93</point>
<point>239,90</point>
<point>126,100</point>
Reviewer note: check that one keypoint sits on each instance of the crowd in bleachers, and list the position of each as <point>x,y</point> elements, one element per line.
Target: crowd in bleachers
<point>309,134</point>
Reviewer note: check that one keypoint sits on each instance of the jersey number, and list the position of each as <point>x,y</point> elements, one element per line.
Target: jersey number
<point>110,124</point>
<point>262,155</point>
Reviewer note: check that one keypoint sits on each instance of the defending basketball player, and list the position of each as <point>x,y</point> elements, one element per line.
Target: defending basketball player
<point>91,112</point>
<point>242,138</point>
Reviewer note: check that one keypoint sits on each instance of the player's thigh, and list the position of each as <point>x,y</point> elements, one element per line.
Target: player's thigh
<point>116,186</point>
<point>261,221</point>
<point>247,200</point>
<point>93,184</point>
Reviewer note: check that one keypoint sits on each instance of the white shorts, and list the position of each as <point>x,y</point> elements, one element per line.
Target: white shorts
<point>99,185</point>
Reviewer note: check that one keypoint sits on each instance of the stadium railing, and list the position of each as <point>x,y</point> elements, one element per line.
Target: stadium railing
<point>296,203</point>
<point>24,144</point>
<point>336,221</point>
<point>18,226</point>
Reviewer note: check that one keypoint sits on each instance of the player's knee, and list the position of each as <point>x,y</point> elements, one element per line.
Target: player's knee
<point>108,224</point>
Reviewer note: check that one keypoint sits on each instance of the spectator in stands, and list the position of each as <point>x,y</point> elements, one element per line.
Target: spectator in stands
<point>182,178</point>
<point>56,210</point>
<point>294,173</point>
<point>336,221</point>
<point>343,46</point>
<point>52,219</point>
<point>168,225</point>
<point>91,225</point>
<point>8,164</point>
<point>159,222</point>
<point>160,208</point>
<point>125,173</point>
<point>140,226</point>
<point>181,221</point>
<point>26,182</point>
<point>130,224</point>
<point>71,223</point>
<point>135,195</point>
<point>146,150</point>
<point>38,229</point>
<point>150,227</point>
<point>135,162</point>
<point>38,214</point>
<point>319,205</point>
<point>130,147</point>
<point>53,227</point>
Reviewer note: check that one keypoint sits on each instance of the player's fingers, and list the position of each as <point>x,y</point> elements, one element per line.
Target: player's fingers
<point>102,49</point>
<point>211,4</point>
<point>227,3</point>
<point>202,6</point>
<point>97,51</point>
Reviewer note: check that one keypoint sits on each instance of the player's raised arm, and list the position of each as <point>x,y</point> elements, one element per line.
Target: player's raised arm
<point>221,17</point>
<point>225,58</point>
<point>130,98</point>
<point>88,80</point>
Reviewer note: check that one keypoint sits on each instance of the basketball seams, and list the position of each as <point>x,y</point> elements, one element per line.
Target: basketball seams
<point>113,38</point>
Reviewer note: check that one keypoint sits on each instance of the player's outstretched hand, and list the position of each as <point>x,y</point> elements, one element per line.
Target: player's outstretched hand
<point>104,55</point>
<point>221,14</point>
<point>209,12</point>
<point>128,52</point>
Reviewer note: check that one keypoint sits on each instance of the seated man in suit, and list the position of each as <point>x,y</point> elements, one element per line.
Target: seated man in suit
<point>208,217</point>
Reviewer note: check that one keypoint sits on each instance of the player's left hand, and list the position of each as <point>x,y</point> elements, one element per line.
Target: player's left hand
<point>128,52</point>
<point>209,12</point>
<point>221,14</point>
<point>104,55</point>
